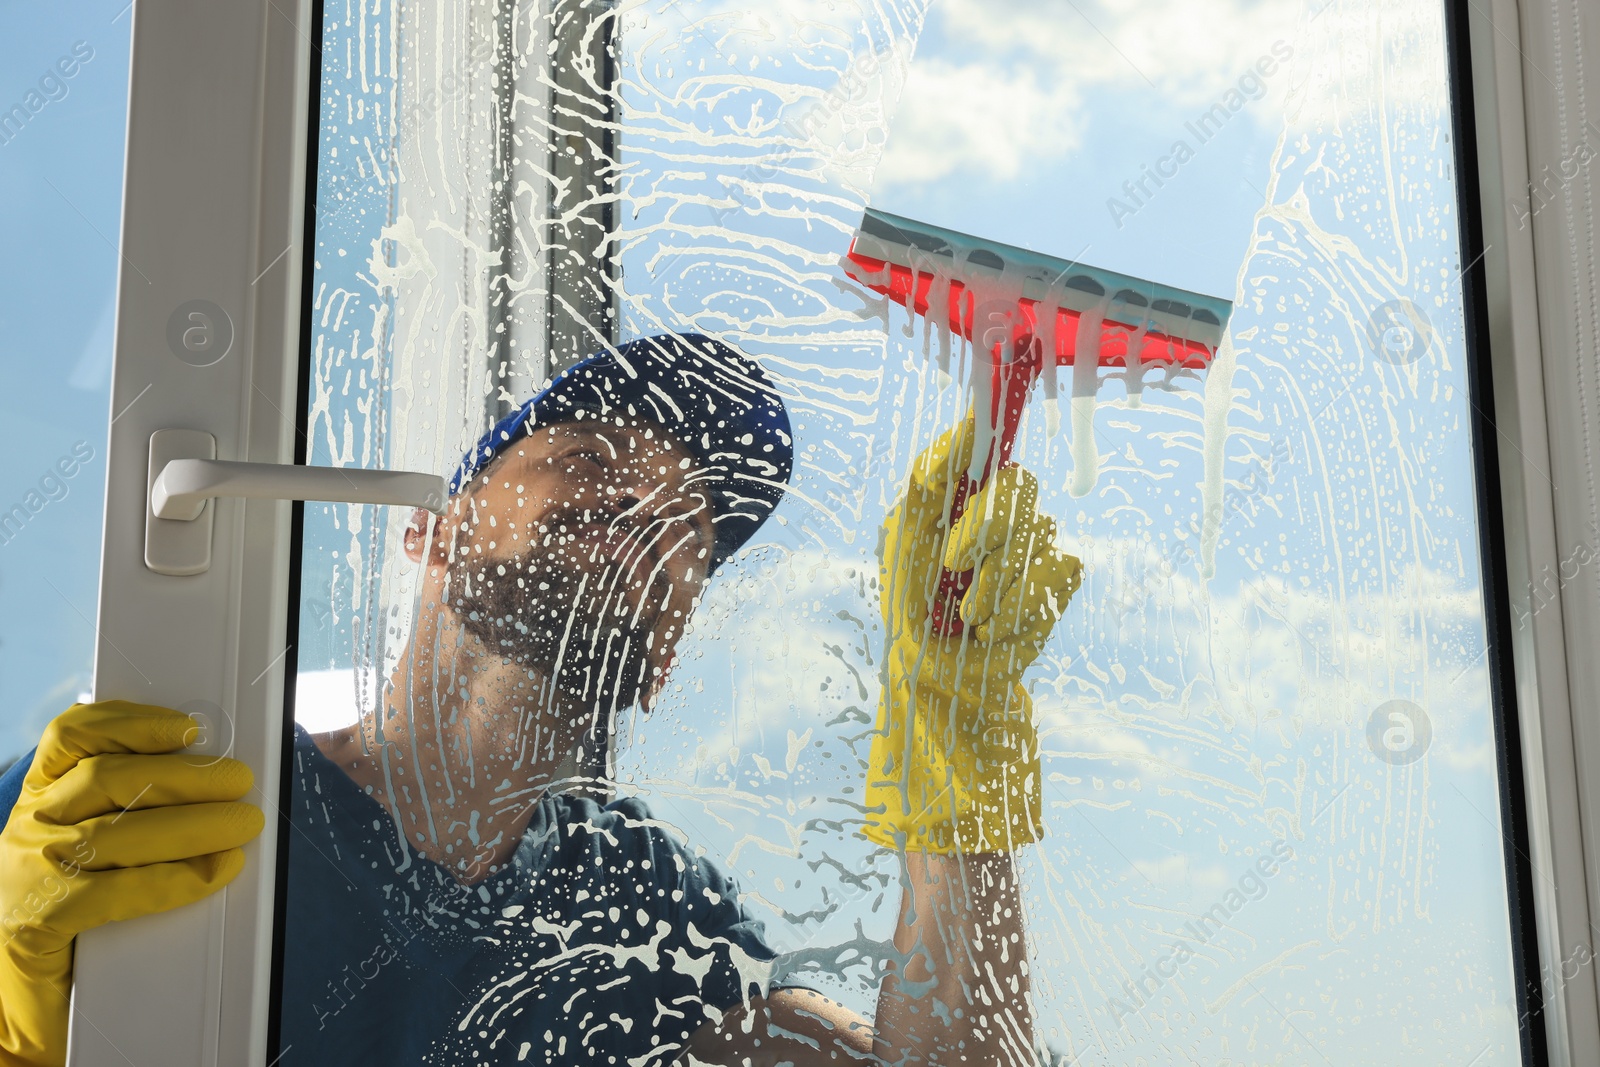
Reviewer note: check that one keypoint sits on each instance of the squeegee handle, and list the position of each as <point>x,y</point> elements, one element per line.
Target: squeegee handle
<point>1009,394</point>
<point>945,611</point>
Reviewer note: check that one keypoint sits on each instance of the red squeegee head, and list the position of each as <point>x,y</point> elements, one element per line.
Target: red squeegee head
<point>995,296</point>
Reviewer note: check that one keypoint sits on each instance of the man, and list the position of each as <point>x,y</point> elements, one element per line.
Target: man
<point>456,892</point>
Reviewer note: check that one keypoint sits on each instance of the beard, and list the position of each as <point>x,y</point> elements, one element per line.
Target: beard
<point>576,610</point>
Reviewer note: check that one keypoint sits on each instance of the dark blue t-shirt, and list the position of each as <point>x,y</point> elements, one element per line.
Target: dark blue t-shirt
<point>604,940</point>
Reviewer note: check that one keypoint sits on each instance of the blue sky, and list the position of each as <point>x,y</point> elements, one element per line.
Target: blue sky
<point>60,206</point>
<point>1027,138</point>
<point>1199,702</point>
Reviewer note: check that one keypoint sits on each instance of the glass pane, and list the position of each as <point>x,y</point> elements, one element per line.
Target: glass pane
<point>63,109</point>
<point>559,795</point>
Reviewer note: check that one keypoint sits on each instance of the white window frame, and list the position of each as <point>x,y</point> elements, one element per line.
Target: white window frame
<point>1544,360</point>
<point>216,156</point>
<point>214,209</point>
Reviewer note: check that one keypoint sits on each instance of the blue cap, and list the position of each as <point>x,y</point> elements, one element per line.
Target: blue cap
<point>716,400</point>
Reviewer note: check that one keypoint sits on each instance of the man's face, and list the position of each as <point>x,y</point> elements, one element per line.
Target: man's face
<point>580,551</point>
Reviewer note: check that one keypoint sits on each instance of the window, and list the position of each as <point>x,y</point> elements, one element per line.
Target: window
<point>1272,795</point>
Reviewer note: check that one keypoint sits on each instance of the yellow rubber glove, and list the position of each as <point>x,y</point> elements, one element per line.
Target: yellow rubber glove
<point>954,764</point>
<point>109,826</point>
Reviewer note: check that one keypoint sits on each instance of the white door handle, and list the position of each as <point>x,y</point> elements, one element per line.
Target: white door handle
<point>184,485</point>
<point>184,475</point>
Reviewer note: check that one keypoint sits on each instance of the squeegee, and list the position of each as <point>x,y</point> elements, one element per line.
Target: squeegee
<point>1023,314</point>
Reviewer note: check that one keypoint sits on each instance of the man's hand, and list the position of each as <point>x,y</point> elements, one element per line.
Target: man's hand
<point>960,997</point>
<point>954,765</point>
<point>797,1027</point>
<point>111,824</point>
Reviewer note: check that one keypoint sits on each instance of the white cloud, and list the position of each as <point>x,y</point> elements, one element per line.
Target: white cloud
<point>1146,635</point>
<point>954,114</point>
<point>1187,50</point>
<point>1002,84</point>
